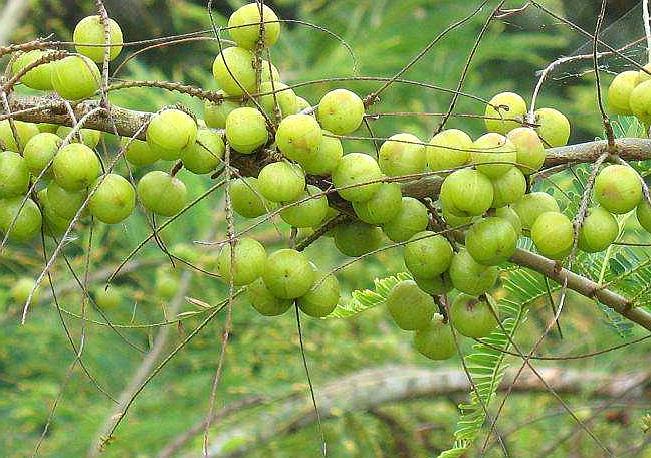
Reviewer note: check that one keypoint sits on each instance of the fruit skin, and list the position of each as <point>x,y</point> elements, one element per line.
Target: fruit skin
<point>428,255</point>
<point>354,169</point>
<point>599,230</point>
<point>411,219</point>
<point>466,192</point>
<point>239,64</point>
<point>643,214</point>
<point>39,77</point>
<point>169,132</point>
<point>529,149</point>
<point>246,130</point>
<point>409,306</point>
<point>248,36</point>
<point>448,150</point>
<point>455,221</point>
<point>281,182</point>
<point>246,198</point>
<point>48,128</point>
<point>107,299</point>
<point>553,235</point>
<point>532,205</point>
<point>340,111</point>
<point>327,157</point>
<point>248,260</point>
<point>25,133</point>
<point>264,302</point>
<point>75,77</point>
<point>618,188</point>
<point>89,137</point>
<point>167,284</point>
<point>508,214</point>
<point>288,274</point>
<point>491,241</point>
<point>472,316</point>
<point>75,167</point>
<point>493,155</point>
<point>39,151</point>
<point>640,101</point>
<point>28,223</point>
<point>307,213</point>
<point>553,127</point>
<point>470,277</point>
<point>322,298</point>
<point>162,193</point>
<point>64,203</point>
<point>14,175</point>
<point>517,108</point>
<point>113,200</point>
<point>90,30</point>
<point>205,153</point>
<point>138,152</point>
<point>435,286</point>
<point>436,341</point>
<point>21,290</point>
<point>215,113</point>
<point>298,137</point>
<point>402,154</point>
<point>382,207</point>
<point>277,95</point>
<point>508,188</point>
<point>619,92</point>
<point>302,104</point>
<point>357,238</point>
<point>53,223</point>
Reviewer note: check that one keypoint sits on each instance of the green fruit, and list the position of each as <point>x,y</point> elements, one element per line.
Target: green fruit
<point>269,72</point>
<point>322,298</point>
<point>298,137</point>
<point>619,92</point>
<point>75,167</point>
<point>234,72</point>
<point>53,223</point>
<point>14,175</point>
<point>382,207</point>
<point>618,188</point>
<point>167,284</point>
<point>599,230</point>
<point>264,301</point>
<point>436,341</point>
<point>162,193</point>
<point>113,200</point>
<point>340,111</point>
<point>435,286</point>
<point>532,205</point>
<point>21,290</point>
<point>327,157</point>
<point>47,128</point>
<point>170,131</point>
<point>530,151</point>
<point>302,104</point>
<point>553,127</point>
<point>466,192</point>
<point>215,113</point>
<point>246,130</point>
<point>281,182</point>
<point>409,306</point>
<point>411,219</point>
<point>64,203</point>
<point>491,241</point>
<point>449,150</point>
<point>242,263</point>
<point>643,214</point>
<point>39,77</point>
<point>75,77</point>
<point>428,255</point>
<point>508,188</point>
<point>247,26</point>
<point>493,155</point>
<point>277,95</point>
<point>26,220</point>
<point>39,151</point>
<point>90,31</point>
<point>402,154</point>
<point>455,221</point>
<point>507,108</point>
<point>640,101</point>
<point>138,152</point>
<point>246,198</point>
<point>472,316</point>
<point>107,299</point>
<point>356,238</point>
<point>25,132</point>
<point>307,213</point>
<point>353,170</point>
<point>553,235</point>
<point>511,216</point>
<point>470,277</point>
<point>288,274</point>
<point>205,154</point>
<point>89,137</point>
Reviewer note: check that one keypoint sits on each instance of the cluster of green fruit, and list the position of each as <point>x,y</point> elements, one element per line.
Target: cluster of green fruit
<point>629,94</point>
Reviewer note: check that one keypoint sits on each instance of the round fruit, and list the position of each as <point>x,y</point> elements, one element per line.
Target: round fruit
<point>436,341</point>
<point>246,130</point>
<point>246,198</point>
<point>215,113</point>
<point>340,111</point>
<point>75,167</point>
<point>307,213</point>
<point>234,72</point>
<point>247,26</point>
<point>167,284</point>
<point>298,137</point>
<point>435,286</point>
<point>90,31</point>
<point>89,137</point>
<point>466,192</point>
<point>532,205</point>
<point>530,151</point>
<point>599,230</point>
<point>409,306</point>
<point>113,200</point>
<point>64,203</point>
<point>493,155</point>
<point>353,170</point>
<point>553,127</point>
<point>618,188</point>
<point>22,289</point>
<point>472,316</point>
<point>448,150</point>
<point>302,104</point>
<point>48,128</point>
<point>470,277</point>
<point>643,214</point>
<point>455,221</point>
<point>39,151</point>
<point>411,219</point>
<point>491,241</point>
<point>640,101</point>
<point>170,131</point>
<point>107,299</point>
<point>242,263</point>
<point>25,133</point>
<point>264,302</point>
<point>26,221</point>
<point>508,214</point>
<point>508,188</point>
<point>161,193</point>
<point>39,77</point>
<point>322,298</point>
<point>619,92</point>
<point>553,235</point>
<point>402,154</point>
<point>428,255</point>
<point>356,238</point>
<point>288,274</point>
<point>14,175</point>
<point>138,152</point>
<point>53,223</point>
<point>382,207</point>
<point>327,157</point>
<point>269,72</point>
<point>75,77</point>
<point>281,182</point>
<point>205,153</point>
<point>503,112</point>
<point>277,95</point>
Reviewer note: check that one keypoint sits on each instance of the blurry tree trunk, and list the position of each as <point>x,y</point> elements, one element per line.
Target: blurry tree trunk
<point>10,18</point>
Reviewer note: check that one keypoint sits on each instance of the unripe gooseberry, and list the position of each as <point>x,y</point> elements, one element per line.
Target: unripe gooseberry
<point>170,131</point>
<point>75,77</point>
<point>22,289</point>
<point>25,222</point>
<point>493,155</point>
<point>205,153</point>
<point>507,213</point>
<point>64,203</point>
<point>281,182</point>
<point>327,157</point>
<point>215,113</point>
<point>455,221</point>
<point>167,284</point>
<point>353,171</point>
<point>503,112</point>
<point>436,285</point>
<point>246,130</point>
<point>470,277</point>
<point>643,214</point>
<point>618,188</point>
<point>356,238</point>
<point>322,298</point>
<point>277,95</point>
<point>466,192</point>
<point>508,188</point>
<point>532,205</point>
<point>241,263</point>
<point>302,104</point>
<point>640,101</point>
<point>288,274</point>
<point>246,198</point>
<point>599,230</point>
<point>53,223</point>
<point>382,207</point>
<point>113,200</point>
<point>410,307</point>
<point>14,175</point>
<point>340,111</point>
<point>48,128</point>
<point>553,235</point>
<point>75,167</point>
<point>89,137</point>
<point>269,71</point>
<point>161,193</point>
<point>298,137</point>
<point>619,92</point>
<point>264,301</point>
<point>307,213</point>
<point>138,152</point>
<point>25,132</point>
<point>553,126</point>
<point>402,154</point>
<point>436,341</point>
<point>472,316</point>
<point>39,77</point>
<point>90,31</point>
<point>428,255</point>
<point>39,151</point>
<point>491,241</point>
<point>247,26</point>
<point>448,150</point>
<point>234,72</point>
<point>107,299</point>
<point>529,149</point>
<point>411,219</point>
